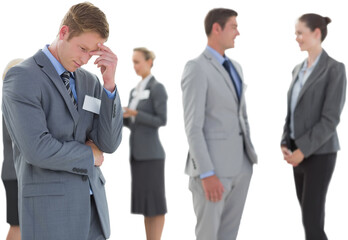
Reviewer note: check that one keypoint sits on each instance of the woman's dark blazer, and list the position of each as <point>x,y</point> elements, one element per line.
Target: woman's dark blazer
<point>8,172</point>
<point>152,114</point>
<point>318,108</point>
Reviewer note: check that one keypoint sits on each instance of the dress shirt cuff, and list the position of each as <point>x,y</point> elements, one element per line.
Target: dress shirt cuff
<point>111,95</point>
<point>207,174</point>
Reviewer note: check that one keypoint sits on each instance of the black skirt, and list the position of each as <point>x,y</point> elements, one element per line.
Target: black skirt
<point>11,188</point>
<point>148,190</point>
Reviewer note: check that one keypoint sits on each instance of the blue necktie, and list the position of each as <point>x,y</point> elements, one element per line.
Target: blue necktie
<point>237,86</point>
<point>66,79</point>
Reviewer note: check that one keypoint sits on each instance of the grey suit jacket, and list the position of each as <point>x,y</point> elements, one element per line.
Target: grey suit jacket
<point>216,122</point>
<point>152,114</point>
<point>318,109</point>
<point>8,171</point>
<point>55,168</point>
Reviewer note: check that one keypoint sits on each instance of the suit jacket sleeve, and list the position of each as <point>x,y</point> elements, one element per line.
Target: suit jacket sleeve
<point>127,121</point>
<point>159,98</point>
<point>330,116</point>
<point>26,122</point>
<point>8,170</point>
<point>107,126</point>
<point>285,139</point>
<point>194,86</point>
<point>285,135</point>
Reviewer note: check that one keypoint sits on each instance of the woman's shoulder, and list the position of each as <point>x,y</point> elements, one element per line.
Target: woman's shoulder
<point>157,87</point>
<point>155,83</point>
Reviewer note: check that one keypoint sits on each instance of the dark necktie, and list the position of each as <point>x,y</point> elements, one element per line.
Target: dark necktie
<point>66,79</point>
<point>235,84</point>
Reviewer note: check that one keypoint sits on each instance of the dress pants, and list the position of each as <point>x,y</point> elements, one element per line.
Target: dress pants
<point>221,220</point>
<point>312,178</point>
<point>95,229</point>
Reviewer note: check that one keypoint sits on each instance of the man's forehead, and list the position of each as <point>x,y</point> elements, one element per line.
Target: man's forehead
<point>89,40</point>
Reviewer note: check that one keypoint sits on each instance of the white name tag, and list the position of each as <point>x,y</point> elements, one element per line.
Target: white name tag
<point>144,94</point>
<point>91,104</point>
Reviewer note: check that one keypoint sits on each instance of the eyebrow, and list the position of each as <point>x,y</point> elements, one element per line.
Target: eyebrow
<point>88,50</point>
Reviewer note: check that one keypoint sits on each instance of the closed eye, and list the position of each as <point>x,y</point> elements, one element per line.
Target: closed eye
<point>83,49</point>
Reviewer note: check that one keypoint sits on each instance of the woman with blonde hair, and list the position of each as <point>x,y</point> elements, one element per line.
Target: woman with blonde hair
<point>146,112</point>
<point>8,175</point>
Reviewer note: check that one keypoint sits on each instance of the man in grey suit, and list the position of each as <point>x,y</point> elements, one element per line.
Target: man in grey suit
<point>220,150</point>
<point>60,120</point>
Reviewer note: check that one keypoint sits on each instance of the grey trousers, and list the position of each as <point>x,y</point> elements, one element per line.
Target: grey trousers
<point>221,220</point>
<point>95,229</point>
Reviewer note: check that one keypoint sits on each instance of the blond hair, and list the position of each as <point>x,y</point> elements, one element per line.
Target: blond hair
<point>12,63</point>
<point>85,17</point>
<point>147,53</point>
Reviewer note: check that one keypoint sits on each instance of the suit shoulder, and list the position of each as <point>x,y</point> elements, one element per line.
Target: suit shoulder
<point>24,75</point>
<point>157,84</point>
<point>334,63</point>
<point>197,64</point>
<point>158,88</point>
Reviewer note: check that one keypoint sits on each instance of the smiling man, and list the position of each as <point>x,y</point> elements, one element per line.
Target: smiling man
<point>61,120</point>
<point>220,150</point>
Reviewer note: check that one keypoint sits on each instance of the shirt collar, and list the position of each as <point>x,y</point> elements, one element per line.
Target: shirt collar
<point>56,64</point>
<point>145,81</point>
<point>217,55</point>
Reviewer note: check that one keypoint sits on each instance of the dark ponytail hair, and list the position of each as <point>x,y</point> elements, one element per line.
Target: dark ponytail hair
<point>314,21</point>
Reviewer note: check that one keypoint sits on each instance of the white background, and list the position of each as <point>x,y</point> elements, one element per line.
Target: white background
<point>174,30</point>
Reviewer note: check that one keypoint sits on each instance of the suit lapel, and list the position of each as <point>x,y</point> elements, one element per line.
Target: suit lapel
<point>81,89</point>
<point>294,77</point>
<point>47,67</point>
<point>147,87</point>
<point>149,84</point>
<point>240,74</point>
<point>317,71</point>
<point>222,71</point>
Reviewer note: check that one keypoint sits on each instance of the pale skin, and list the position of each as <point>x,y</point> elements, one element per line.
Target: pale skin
<point>14,233</point>
<point>219,39</point>
<point>142,67</point>
<point>77,51</point>
<point>309,41</point>
<point>153,225</point>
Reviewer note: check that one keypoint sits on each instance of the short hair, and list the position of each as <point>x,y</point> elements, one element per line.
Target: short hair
<point>218,15</point>
<point>314,21</point>
<point>147,53</point>
<point>11,64</point>
<point>85,17</point>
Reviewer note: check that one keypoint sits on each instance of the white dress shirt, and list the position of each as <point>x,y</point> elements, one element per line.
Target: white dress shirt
<point>138,93</point>
<point>302,77</point>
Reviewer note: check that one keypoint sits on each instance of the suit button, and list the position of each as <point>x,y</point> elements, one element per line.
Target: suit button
<point>240,134</point>
<point>84,178</point>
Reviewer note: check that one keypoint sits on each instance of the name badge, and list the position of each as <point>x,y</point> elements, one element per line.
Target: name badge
<point>144,94</point>
<point>91,104</point>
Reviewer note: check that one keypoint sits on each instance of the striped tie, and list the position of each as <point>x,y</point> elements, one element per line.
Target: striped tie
<point>66,79</point>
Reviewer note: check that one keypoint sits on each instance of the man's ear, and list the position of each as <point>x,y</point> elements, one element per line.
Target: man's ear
<point>216,28</point>
<point>63,32</point>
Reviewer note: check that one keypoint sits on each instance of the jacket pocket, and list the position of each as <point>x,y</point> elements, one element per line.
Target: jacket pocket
<point>102,179</point>
<point>43,189</point>
<point>215,135</point>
